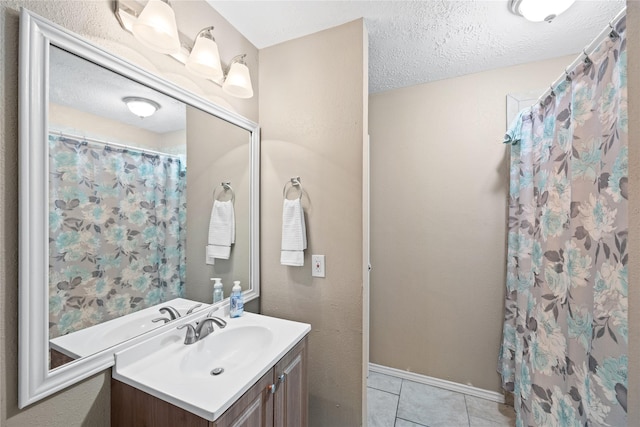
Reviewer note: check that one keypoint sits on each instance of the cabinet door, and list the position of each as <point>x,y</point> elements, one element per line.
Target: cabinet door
<point>253,409</point>
<point>291,396</point>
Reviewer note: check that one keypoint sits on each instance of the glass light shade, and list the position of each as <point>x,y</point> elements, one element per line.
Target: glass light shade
<point>156,28</point>
<point>540,10</point>
<point>141,107</point>
<point>204,59</point>
<point>238,81</point>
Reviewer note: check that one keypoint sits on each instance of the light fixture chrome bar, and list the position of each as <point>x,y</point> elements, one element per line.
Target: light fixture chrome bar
<point>127,11</point>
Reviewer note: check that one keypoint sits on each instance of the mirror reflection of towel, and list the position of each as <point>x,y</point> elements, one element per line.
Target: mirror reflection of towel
<point>222,231</point>
<point>294,234</point>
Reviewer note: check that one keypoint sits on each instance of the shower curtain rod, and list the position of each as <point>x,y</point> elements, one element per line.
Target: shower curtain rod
<point>114,144</point>
<point>588,50</point>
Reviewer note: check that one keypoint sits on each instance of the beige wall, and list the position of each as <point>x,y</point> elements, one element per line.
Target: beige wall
<point>87,403</point>
<point>439,188</point>
<point>633,57</point>
<point>313,117</point>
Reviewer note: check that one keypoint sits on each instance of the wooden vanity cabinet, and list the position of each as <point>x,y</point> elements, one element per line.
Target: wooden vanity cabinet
<point>278,399</point>
<point>290,405</point>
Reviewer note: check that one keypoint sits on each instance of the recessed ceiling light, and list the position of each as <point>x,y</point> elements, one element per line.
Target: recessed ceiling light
<point>141,107</point>
<point>539,10</point>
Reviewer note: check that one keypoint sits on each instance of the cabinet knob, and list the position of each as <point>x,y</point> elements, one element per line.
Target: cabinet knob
<point>272,388</point>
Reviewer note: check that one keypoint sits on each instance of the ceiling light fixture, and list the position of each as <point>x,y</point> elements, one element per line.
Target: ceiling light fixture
<point>204,59</point>
<point>238,80</point>
<point>141,107</point>
<point>156,27</point>
<point>539,10</point>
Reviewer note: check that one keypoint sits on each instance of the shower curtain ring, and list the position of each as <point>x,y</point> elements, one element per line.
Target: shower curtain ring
<point>613,34</point>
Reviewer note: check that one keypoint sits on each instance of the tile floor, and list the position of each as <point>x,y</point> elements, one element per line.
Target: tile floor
<point>396,402</point>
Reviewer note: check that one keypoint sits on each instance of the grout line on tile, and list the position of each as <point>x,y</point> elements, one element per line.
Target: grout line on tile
<point>467,408</point>
<point>384,391</point>
<point>397,404</point>
<point>409,421</point>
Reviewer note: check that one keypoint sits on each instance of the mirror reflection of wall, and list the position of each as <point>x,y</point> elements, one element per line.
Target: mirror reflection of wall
<point>121,215</point>
<point>117,199</point>
<point>218,152</point>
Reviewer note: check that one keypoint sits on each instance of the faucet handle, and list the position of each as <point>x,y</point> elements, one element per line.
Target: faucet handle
<point>218,321</point>
<point>161,319</point>
<point>191,336</point>
<point>172,312</point>
<point>205,327</point>
<point>193,308</point>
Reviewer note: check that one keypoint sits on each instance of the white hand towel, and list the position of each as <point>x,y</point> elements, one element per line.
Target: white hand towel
<point>222,227</point>
<point>209,258</point>
<point>294,234</point>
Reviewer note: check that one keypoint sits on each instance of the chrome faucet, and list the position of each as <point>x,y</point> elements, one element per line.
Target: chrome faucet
<point>202,329</point>
<point>172,312</point>
<point>221,323</point>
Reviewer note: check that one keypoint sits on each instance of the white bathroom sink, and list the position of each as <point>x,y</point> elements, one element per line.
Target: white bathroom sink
<point>229,349</point>
<point>167,368</point>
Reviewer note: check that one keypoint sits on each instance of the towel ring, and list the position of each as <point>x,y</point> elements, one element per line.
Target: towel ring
<point>226,186</point>
<point>295,182</point>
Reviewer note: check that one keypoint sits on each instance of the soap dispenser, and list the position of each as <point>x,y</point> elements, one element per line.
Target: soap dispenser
<point>236,307</point>
<point>218,294</point>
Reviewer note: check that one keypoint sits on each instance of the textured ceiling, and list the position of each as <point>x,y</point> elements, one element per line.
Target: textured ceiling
<point>412,42</point>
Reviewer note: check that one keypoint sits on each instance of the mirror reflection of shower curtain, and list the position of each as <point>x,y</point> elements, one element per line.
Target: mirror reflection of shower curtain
<point>117,230</point>
<point>564,350</point>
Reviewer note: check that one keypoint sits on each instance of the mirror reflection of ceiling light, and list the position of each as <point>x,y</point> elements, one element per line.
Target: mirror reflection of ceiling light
<point>141,107</point>
<point>539,10</point>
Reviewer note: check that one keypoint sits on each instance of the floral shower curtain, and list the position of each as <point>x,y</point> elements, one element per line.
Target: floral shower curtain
<point>117,229</point>
<point>564,350</point>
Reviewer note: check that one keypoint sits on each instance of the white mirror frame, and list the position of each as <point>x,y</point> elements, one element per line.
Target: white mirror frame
<point>36,381</point>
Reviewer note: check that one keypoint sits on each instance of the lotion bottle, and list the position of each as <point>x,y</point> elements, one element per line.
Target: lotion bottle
<point>236,307</point>
<point>218,294</point>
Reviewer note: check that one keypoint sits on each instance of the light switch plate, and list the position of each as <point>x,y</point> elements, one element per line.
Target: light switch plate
<point>317,265</point>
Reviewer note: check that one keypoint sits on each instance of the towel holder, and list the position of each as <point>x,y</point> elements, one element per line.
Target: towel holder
<point>226,186</point>
<point>294,182</point>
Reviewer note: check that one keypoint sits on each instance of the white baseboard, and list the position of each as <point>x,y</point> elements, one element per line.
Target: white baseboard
<point>436,382</point>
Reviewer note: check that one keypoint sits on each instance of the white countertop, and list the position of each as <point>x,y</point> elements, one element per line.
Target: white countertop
<point>246,348</point>
<point>99,337</point>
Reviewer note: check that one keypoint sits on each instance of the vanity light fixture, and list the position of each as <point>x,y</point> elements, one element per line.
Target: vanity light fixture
<point>238,80</point>
<point>204,59</point>
<point>141,107</point>
<point>156,27</point>
<point>539,10</point>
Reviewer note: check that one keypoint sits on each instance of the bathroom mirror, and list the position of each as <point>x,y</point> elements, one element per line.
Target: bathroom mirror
<point>115,208</point>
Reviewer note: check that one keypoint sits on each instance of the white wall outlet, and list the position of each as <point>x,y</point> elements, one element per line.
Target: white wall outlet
<point>317,265</point>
